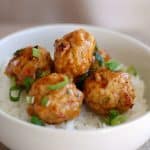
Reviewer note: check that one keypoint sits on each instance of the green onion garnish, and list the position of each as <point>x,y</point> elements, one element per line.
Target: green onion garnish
<point>35,120</point>
<point>59,85</point>
<point>44,101</point>
<point>113,113</point>
<point>14,93</point>
<point>40,73</point>
<point>99,58</point>
<point>44,73</point>
<point>35,52</point>
<point>28,81</point>
<point>132,70</point>
<point>118,120</point>
<point>114,118</point>
<point>30,99</point>
<point>113,65</point>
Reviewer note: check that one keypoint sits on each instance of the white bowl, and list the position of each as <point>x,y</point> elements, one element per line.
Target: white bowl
<point>19,135</point>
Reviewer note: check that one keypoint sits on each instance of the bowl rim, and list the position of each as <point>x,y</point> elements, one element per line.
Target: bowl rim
<point>93,27</point>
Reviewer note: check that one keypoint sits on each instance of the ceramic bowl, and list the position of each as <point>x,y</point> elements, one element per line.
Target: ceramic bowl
<point>20,135</point>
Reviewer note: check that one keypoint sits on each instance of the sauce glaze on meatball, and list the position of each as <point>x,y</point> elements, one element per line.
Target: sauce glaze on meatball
<point>74,52</point>
<point>106,90</point>
<point>24,64</point>
<point>63,104</point>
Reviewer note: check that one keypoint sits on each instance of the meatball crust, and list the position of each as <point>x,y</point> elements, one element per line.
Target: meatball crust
<point>74,52</point>
<point>63,104</point>
<point>24,64</point>
<point>106,90</point>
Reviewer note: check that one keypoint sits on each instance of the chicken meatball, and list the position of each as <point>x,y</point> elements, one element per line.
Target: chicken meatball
<point>27,62</point>
<point>106,90</point>
<point>56,99</point>
<point>74,52</point>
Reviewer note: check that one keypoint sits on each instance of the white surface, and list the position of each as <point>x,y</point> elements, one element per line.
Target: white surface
<point>127,136</point>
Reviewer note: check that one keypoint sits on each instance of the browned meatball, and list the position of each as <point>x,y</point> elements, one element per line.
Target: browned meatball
<point>106,90</point>
<point>73,53</point>
<point>62,104</point>
<point>26,64</point>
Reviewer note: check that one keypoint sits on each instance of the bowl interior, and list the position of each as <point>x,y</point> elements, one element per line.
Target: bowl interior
<point>121,47</point>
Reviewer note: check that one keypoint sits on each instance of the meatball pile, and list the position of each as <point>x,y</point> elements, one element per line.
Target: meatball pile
<point>55,96</point>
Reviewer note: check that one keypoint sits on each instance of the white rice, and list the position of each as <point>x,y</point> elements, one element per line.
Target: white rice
<point>86,120</point>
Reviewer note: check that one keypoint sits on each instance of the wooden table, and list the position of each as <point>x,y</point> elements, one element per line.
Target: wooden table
<point>6,29</point>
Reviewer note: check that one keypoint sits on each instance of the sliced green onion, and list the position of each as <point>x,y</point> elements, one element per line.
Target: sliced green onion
<point>118,120</point>
<point>99,58</point>
<point>44,73</point>
<point>132,70</point>
<point>14,93</point>
<point>114,118</point>
<point>28,81</point>
<point>45,101</point>
<point>113,65</point>
<point>35,120</point>
<point>35,52</point>
<point>59,85</point>
<point>113,113</point>
<point>40,73</point>
<point>30,99</point>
